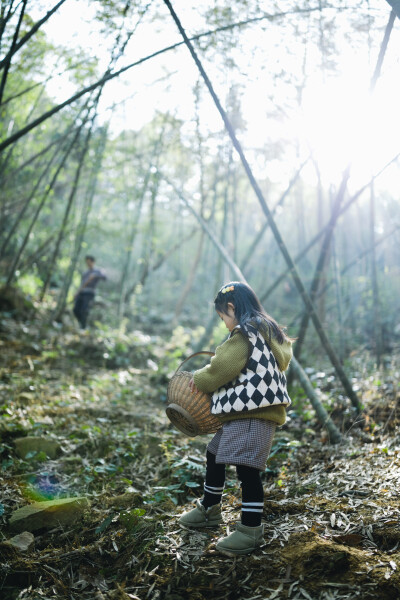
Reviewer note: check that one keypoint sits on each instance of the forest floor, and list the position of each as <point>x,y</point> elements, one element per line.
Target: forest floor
<point>332,527</point>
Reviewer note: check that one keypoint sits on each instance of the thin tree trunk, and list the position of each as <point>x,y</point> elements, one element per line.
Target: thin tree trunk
<point>299,203</point>
<point>131,241</point>
<point>6,62</point>
<point>25,265</point>
<point>320,221</point>
<point>5,18</point>
<point>40,206</point>
<point>322,261</point>
<point>218,281</point>
<point>296,277</point>
<point>278,204</point>
<point>263,296</point>
<point>129,249</point>
<point>322,416</point>
<point>224,227</point>
<point>374,283</point>
<point>148,248</point>
<point>234,213</point>
<point>342,345</point>
<point>70,201</point>
<point>323,257</point>
<point>384,45</point>
<point>196,261</point>
<point>190,279</point>
<point>16,46</point>
<point>81,229</point>
<point>17,135</point>
<point>26,204</point>
<point>56,315</point>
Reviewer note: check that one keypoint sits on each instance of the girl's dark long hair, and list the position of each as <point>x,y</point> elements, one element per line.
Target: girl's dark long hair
<point>248,310</point>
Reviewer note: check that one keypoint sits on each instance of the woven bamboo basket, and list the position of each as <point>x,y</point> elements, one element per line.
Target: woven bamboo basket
<point>187,411</point>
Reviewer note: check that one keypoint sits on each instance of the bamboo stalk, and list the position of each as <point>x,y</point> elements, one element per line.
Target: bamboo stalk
<point>323,417</point>
<point>319,235</point>
<point>108,76</point>
<point>282,246</point>
<point>325,247</point>
<point>70,201</point>
<point>6,62</point>
<point>321,413</point>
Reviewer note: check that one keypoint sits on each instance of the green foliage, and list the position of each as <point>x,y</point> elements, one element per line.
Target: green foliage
<point>29,284</point>
<point>131,519</point>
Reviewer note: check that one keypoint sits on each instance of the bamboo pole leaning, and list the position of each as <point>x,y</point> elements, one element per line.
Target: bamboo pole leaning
<point>82,224</point>
<point>70,201</point>
<point>318,236</point>
<point>326,242</point>
<point>112,75</point>
<point>322,415</point>
<point>322,260</point>
<point>41,204</point>
<point>349,266</point>
<point>26,203</point>
<point>25,38</point>
<point>277,205</point>
<point>6,62</point>
<point>281,244</point>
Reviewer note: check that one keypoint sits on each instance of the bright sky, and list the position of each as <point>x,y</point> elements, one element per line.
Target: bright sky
<point>338,119</point>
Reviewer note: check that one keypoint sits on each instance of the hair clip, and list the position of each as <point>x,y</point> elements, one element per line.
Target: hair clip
<point>228,288</point>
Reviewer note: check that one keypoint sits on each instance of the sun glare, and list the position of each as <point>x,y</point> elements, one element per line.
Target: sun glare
<point>339,121</point>
<point>342,124</point>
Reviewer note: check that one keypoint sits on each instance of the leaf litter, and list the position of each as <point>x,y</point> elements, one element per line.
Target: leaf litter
<point>331,512</point>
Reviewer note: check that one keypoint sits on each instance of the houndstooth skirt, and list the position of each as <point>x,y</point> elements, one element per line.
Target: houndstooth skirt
<point>243,442</point>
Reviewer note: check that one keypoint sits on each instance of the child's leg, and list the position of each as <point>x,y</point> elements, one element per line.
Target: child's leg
<point>208,511</point>
<point>214,483</point>
<point>252,495</point>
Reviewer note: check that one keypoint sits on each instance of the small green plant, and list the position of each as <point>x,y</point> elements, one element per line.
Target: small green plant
<point>131,518</point>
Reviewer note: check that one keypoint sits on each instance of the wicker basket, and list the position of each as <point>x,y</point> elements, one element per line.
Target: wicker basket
<point>187,411</point>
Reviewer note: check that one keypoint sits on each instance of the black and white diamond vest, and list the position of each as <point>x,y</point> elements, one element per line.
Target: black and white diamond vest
<point>258,385</point>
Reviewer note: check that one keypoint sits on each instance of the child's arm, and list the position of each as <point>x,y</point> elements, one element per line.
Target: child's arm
<point>230,358</point>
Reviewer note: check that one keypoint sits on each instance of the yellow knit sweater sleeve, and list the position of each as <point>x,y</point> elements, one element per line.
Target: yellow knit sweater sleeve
<point>230,358</point>
<point>283,353</point>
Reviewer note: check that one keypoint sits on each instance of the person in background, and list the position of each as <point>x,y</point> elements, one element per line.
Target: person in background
<point>85,295</point>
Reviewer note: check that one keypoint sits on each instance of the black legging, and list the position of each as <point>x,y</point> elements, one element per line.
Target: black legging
<point>82,307</point>
<point>252,489</point>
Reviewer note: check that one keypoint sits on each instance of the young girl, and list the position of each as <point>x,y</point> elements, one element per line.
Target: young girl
<point>248,386</point>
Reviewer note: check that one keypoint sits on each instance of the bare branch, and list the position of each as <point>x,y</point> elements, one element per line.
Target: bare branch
<point>28,35</point>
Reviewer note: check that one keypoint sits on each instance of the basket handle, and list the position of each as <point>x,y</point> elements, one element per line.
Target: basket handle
<point>193,355</point>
